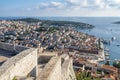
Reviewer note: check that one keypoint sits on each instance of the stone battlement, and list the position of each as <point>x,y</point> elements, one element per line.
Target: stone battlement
<point>52,70</point>
<point>11,47</point>
<point>41,66</point>
<point>19,65</point>
<point>67,70</point>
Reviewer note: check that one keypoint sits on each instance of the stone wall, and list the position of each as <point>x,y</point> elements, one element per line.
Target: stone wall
<point>52,70</point>
<point>45,57</point>
<point>19,65</point>
<point>67,70</point>
<point>58,68</point>
<point>26,62</point>
<point>10,47</point>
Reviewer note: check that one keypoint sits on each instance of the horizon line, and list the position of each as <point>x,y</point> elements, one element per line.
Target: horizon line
<point>58,16</point>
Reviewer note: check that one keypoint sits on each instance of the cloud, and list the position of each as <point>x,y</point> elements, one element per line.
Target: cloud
<point>78,4</point>
<point>93,4</point>
<point>74,4</point>
<point>114,3</point>
<point>52,4</point>
<point>77,7</point>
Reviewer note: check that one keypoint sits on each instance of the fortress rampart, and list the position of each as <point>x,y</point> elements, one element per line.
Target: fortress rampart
<point>27,62</point>
<point>19,65</point>
<point>67,70</point>
<point>11,47</point>
<point>52,70</point>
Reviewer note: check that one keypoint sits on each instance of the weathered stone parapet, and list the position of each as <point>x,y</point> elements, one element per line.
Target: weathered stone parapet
<point>19,65</point>
<point>11,47</point>
<point>44,58</point>
<point>29,61</point>
<point>67,70</point>
<point>52,70</point>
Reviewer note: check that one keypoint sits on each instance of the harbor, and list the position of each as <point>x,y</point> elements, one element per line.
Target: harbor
<point>104,28</point>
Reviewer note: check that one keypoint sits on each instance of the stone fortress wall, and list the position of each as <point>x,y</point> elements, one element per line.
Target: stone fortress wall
<point>52,70</point>
<point>57,68</point>
<point>19,65</point>
<point>67,70</point>
<point>11,47</point>
<point>27,62</point>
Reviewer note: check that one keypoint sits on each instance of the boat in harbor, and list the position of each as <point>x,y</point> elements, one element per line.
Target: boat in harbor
<point>107,42</point>
<point>113,38</point>
<point>107,54</point>
<point>106,49</point>
<point>107,57</point>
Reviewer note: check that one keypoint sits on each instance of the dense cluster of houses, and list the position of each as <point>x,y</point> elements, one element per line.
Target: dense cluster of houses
<point>63,39</point>
<point>25,34</point>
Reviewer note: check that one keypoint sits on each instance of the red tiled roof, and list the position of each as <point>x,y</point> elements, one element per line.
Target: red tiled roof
<point>111,68</point>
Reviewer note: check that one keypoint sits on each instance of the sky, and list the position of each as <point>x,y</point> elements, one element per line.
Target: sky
<point>53,8</point>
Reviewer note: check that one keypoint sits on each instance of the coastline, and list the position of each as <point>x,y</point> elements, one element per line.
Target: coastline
<point>97,30</point>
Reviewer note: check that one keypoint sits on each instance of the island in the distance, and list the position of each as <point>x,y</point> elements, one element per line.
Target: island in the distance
<point>117,22</point>
<point>48,23</point>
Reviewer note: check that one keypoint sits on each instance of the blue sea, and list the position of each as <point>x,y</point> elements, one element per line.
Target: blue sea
<point>104,28</point>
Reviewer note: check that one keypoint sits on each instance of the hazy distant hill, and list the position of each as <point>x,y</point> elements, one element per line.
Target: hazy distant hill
<point>58,23</point>
<point>118,22</point>
<point>28,20</point>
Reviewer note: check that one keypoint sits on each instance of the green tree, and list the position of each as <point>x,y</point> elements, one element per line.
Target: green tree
<point>107,63</point>
<point>85,76</point>
<point>117,65</point>
<point>14,78</point>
